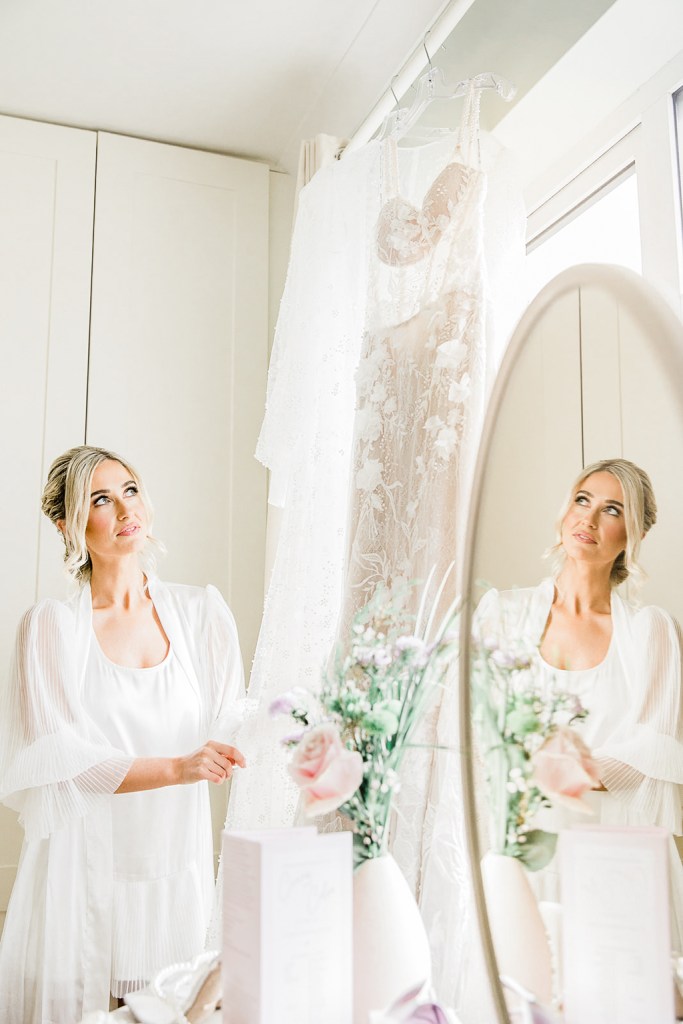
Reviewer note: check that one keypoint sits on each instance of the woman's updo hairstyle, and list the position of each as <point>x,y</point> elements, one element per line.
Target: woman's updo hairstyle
<point>66,498</point>
<point>640,514</point>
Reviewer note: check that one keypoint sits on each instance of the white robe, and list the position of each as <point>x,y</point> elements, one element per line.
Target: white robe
<point>59,772</point>
<point>635,723</point>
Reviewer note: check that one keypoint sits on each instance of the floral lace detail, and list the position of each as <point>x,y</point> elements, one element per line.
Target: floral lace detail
<point>419,385</point>
<point>406,234</point>
<point>414,386</point>
<point>338,296</point>
<point>419,407</point>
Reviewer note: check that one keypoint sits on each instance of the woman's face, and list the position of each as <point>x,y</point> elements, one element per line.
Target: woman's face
<point>117,521</point>
<point>594,529</point>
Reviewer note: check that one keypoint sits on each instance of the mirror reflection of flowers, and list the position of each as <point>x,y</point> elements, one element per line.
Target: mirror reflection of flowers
<point>532,757</point>
<point>350,739</point>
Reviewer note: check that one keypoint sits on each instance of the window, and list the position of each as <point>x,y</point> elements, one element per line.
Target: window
<point>605,228</point>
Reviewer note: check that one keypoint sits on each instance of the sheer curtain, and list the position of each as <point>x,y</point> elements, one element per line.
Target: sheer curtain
<point>313,155</point>
<point>306,444</point>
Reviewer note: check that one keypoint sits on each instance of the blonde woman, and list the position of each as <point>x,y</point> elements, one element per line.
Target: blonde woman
<point>119,711</point>
<point>623,661</point>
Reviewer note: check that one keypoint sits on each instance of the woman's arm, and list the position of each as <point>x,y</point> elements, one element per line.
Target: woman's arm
<point>54,768</point>
<point>641,762</point>
<point>221,667</point>
<point>213,762</point>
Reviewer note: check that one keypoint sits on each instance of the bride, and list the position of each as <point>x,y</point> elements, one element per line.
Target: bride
<point>118,712</point>
<point>622,660</point>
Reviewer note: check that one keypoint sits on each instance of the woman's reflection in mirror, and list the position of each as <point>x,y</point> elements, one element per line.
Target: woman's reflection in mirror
<point>621,659</point>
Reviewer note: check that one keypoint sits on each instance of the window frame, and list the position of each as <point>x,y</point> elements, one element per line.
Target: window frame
<point>640,134</point>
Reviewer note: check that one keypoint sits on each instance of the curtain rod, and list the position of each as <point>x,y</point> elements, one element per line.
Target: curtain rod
<point>416,63</point>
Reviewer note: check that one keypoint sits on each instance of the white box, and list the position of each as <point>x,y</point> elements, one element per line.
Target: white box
<point>287,927</point>
<point>615,924</point>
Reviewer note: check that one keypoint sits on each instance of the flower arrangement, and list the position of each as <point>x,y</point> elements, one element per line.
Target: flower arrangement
<point>532,755</point>
<point>351,738</point>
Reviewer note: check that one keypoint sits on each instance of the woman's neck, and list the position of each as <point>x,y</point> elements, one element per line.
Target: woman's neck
<point>117,583</point>
<point>583,589</point>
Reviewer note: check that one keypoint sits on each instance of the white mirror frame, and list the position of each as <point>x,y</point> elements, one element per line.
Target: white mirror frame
<point>666,333</point>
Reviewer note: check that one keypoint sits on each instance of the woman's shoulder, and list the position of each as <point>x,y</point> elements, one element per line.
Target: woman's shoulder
<point>516,599</point>
<point>647,617</point>
<point>520,611</point>
<point>195,602</point>
<point>184,592</point>
<point>49,615</point>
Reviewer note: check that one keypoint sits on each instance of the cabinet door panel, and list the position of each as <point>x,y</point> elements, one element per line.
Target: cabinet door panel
<point>632,410</point>
<point>179,349</point>
<point>537,437</point>
<point>47,180</point>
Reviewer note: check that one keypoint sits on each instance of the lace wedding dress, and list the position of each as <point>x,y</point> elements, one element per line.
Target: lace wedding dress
<point>383,344</point>
<point>420,381</point>
<point>420,398</point>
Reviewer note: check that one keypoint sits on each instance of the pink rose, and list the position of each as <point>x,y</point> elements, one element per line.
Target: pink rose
<point>564,770</point>
<point>327,773</point>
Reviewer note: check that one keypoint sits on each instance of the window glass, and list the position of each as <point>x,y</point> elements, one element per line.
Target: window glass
<point>604,229</point>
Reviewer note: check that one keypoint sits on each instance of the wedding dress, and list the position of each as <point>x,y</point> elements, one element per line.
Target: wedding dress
<point>362,296</point>
<point>420,399</point>
<point>420,380</point>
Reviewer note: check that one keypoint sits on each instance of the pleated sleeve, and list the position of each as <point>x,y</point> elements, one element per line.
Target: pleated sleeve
<point>54,763</point>
<point>222,669</point>
<point>638,699</point>
<point>642,761</point>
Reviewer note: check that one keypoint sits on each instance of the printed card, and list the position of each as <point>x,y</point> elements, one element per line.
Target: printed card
<point>287,927</point>
<point>615,925</point>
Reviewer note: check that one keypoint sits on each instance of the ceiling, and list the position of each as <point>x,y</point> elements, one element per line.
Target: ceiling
<point>254,77</point>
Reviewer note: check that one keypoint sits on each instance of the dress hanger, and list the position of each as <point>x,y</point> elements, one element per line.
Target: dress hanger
<point>432,85</point>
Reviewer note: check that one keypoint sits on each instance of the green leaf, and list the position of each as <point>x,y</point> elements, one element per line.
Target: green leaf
<point>381,722</point>
<point>538,850</point>
<point>522,720</point>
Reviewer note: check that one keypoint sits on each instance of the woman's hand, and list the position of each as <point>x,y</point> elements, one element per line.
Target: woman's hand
<point>214,762</point>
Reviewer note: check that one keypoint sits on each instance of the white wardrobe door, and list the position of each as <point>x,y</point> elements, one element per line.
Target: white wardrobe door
<point>632,410</point>
<point>178,353</point>
<point>47,181</point>
<point>535,451</point>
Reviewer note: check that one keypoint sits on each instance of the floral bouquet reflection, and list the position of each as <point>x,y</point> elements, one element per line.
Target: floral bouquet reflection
<point>532,756</point>
<point>351,738</point>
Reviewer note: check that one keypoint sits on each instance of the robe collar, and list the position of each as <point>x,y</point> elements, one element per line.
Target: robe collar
<point>178,629</point>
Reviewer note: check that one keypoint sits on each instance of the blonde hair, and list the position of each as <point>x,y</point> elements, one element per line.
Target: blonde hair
<point>640,514</point>
<point>66,497</point>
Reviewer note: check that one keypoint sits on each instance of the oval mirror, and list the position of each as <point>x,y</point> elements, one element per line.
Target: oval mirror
<point>594,371</point>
